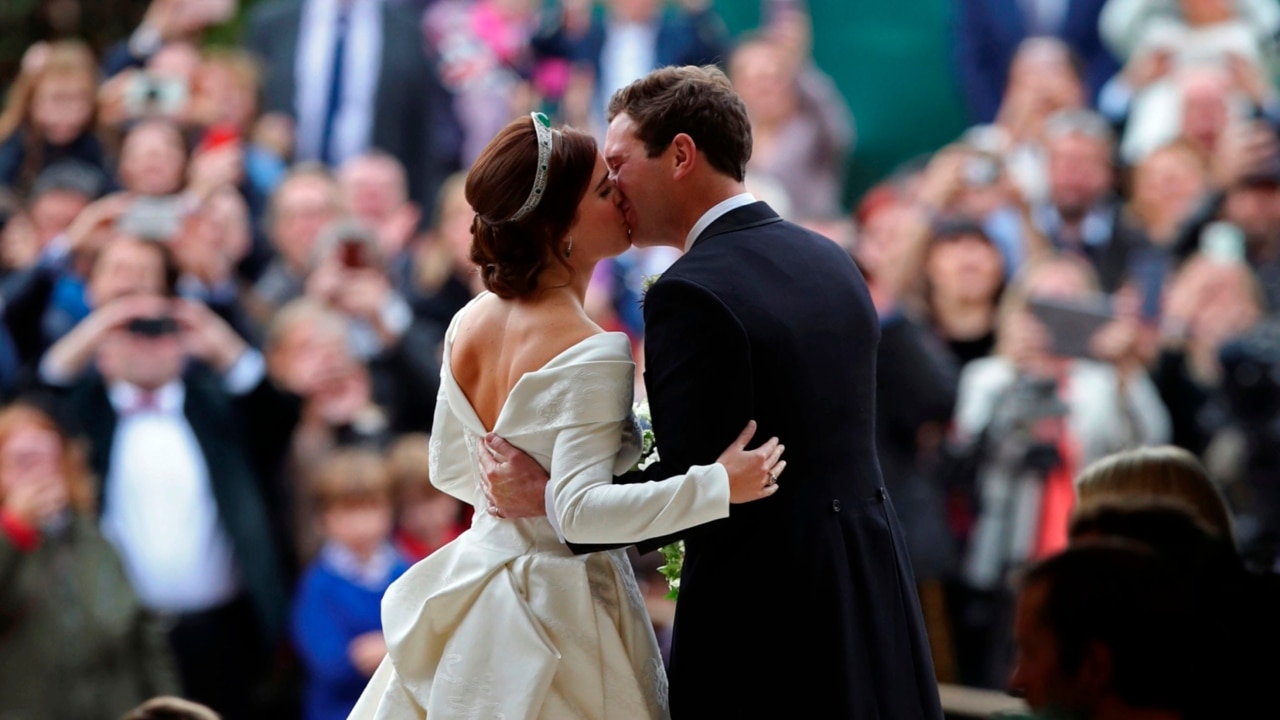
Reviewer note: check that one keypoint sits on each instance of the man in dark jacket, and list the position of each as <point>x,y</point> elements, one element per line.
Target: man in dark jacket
<point>803,604</point>
<point>185,429</point>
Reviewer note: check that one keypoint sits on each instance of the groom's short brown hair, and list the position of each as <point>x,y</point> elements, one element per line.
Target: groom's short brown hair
<point>697,101</point>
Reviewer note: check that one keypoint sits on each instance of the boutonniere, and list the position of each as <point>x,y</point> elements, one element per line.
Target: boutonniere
<point>645,284</point>
<point>648,282</point>
<point>672,554</point>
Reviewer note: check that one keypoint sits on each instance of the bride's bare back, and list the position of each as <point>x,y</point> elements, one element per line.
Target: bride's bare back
<point>498,341</point>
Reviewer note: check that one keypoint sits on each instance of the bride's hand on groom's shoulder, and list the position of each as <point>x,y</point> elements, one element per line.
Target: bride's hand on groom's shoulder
<point>514,483</point>
<point>753,474</point>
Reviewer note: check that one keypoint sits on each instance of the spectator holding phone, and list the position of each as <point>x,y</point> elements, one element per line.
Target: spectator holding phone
<point>348,275</point>
<point>376,189</point>
<point>305,202</point>
<point>186,429</point>
<point>163,88</point>
<point>1210,302</point>
<point>214,241</point>
<point>167,21</point>
<point>61,192</point>
<point>50,114</point>
<point>1166,187</point>
<point>1239,214</point>
<point>92,264</point>
<point>1034,418</point>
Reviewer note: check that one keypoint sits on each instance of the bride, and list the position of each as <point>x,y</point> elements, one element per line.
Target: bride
<point>506,622</point>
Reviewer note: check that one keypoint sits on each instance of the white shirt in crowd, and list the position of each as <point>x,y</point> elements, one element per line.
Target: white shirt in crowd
<point>629,52</point>
<point>317,37</point>
<point>160,512</point>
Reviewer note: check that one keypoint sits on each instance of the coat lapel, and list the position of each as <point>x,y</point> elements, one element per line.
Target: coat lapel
<point>98,421</point>
<point>743,218</point>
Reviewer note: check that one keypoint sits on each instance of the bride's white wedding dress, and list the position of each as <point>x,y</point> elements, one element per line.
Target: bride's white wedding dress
<point>505,622</point>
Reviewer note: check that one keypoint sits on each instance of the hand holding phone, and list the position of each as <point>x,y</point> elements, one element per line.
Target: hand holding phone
<point>351,252</point>
<point>1072,324</point>
<point>155,218</point>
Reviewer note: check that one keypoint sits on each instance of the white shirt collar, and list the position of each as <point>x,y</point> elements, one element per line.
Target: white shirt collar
<point>715,213</point>
<point>168,399</point>
<point>374,573</point>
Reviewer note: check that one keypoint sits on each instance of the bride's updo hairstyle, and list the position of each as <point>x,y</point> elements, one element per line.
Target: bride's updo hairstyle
<point>521,218</point>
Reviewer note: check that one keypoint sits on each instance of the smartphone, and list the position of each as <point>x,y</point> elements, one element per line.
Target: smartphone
<point>1223,242</point>
<point>1072,323</point>
<point>352,254</point>
<point>149,94</point>
<point>981,171</point>
<point>154,217</point>
<point>153,326</point>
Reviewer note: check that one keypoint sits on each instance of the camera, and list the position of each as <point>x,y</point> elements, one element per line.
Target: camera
<point>155,218</point>
<point>352,253</point>
<point>153,326</point>
<point>1251,379</point>
<point>981,171</point>
<point>149,94</point>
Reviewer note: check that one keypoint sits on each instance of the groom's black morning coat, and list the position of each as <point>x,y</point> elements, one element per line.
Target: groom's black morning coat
<point>801,605</point>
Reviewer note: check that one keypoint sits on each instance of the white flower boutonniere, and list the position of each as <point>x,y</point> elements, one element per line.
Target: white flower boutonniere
<point>673,554</point>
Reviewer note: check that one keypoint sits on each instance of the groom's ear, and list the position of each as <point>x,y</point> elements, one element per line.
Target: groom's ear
<point>684,154</point>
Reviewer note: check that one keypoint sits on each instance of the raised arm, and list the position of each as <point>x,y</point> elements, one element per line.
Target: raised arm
<point>586,507</point>
<point>700,393</point>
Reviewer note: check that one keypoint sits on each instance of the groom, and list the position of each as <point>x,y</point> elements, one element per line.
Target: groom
<point>803,604</point>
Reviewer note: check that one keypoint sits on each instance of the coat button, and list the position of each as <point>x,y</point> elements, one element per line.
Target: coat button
<point>835,506</point>
<point>882,494</point>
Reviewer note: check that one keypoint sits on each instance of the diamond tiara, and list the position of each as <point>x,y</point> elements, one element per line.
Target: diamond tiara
<point>541,125</point>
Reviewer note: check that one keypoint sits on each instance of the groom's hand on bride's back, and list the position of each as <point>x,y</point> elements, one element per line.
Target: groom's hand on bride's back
<point>514,482</point>
<point>753,474</point>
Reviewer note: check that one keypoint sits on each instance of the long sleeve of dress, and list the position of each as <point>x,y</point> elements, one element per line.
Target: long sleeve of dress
<point>586,507</point>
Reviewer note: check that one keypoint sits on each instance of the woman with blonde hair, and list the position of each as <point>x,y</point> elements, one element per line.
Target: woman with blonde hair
<point>1162,471</point>
<point>50,114</point>
<point>74,640</point>
<point>1029,417</point>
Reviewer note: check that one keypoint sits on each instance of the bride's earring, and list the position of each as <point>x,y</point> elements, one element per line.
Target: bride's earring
<point>569,250</point>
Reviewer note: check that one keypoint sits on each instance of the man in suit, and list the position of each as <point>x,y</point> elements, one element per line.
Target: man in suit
<point>185,430</point>
<point>803,604</point>
<point>989,32</point>
<point>624,39</point>
<point>369,85</point>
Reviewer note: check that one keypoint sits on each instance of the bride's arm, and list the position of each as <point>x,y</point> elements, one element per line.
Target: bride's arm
<point>585,506</point>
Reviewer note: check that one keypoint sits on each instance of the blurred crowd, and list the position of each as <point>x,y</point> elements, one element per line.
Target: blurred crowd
<point>225,272</point>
